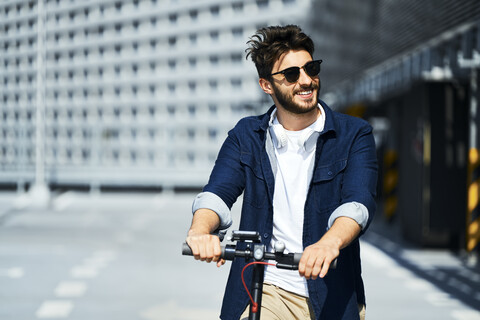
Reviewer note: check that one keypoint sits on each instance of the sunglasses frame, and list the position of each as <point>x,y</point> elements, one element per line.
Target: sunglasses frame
<point>298,69</point>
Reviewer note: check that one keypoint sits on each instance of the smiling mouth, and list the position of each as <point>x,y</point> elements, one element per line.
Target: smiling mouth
<point>305,94</point>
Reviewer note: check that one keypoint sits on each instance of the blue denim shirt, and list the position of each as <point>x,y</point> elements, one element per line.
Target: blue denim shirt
<point>345,170</point>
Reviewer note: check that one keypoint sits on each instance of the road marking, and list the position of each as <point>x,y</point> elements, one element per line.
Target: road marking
<point>108,255</point>
<point>441,299</point>
<point>418,284</point>
<point>399,273</point>
<point>54,309</point>
<point>375,256</point>
<point>466,314</point>
<point>84,272</point>
<point>170,310</point>
<point>90,268</point>
<point>70,289</point>
<point>14,273</point>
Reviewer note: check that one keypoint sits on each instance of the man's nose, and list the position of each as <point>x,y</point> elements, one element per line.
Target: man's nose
<point>304,78</point>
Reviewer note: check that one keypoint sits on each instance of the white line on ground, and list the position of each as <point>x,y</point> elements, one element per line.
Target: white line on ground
<point>419,284</point>
<point>375,256</point>
<point>54,309</point>
<point>441,299</point>
<point>70,289</point>
<point>14,273</point>
<point>92,265</point>
<point>465,314</point>
<point>84,272</point>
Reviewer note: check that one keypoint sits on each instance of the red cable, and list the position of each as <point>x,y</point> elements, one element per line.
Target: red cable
<point>254,304</point>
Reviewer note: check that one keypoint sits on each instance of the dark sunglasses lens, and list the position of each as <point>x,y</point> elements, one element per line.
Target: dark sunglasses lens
<point>292,74</point>
<point>312,68</point>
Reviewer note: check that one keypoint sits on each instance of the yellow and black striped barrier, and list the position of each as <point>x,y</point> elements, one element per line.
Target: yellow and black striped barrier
<point>473,210</point>
<point>390,183</point>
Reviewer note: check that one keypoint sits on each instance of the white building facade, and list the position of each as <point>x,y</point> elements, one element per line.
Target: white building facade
<point>126,93</point>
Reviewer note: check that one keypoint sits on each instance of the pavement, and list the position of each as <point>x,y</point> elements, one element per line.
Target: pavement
<point>117,256</point>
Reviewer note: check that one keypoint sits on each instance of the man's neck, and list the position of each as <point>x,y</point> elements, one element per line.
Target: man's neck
<point>294,122</point>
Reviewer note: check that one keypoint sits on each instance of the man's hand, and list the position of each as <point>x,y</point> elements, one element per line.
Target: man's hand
<point>317,258</point>
<point>204,245</point>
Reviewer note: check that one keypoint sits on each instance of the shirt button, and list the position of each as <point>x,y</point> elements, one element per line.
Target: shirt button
<point>265,235</point>
<point>330,173</point>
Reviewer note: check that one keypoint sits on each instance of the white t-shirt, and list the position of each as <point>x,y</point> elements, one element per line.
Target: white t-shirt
<point>291,187</point>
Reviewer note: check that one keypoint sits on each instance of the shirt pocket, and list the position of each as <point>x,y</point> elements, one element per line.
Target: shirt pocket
<point>327,183</point>
<point>255,193</point>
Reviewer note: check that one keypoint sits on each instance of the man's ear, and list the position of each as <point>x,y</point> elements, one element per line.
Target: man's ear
<point>265,85</point>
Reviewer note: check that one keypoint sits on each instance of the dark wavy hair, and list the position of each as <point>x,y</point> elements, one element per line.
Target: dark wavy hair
<point>268,44</point>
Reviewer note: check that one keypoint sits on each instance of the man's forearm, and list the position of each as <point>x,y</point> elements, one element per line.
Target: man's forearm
<point>343,231</point>
<point>204,221</point>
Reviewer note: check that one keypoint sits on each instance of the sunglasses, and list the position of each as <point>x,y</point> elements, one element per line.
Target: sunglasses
<point>292,74</point>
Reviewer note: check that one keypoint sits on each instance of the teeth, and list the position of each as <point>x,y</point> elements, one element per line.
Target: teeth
<point>305,92</point>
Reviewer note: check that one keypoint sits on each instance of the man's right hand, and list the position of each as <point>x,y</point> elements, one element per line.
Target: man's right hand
<point>205,247</point>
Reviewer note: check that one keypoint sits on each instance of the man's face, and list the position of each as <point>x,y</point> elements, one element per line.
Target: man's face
<point>298,97</point>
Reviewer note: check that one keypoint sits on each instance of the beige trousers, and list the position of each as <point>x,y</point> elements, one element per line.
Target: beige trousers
<point>279,304</point>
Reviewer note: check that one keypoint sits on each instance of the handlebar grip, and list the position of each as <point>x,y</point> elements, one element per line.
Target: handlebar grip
<point>186,250</point>
<point>296,258</point>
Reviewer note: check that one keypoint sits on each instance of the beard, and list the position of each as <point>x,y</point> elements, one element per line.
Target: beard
<point>286,99</point>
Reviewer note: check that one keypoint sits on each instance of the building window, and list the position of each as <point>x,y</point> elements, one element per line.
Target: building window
<point>193,38</point>
<point>193,14</point>
<point>236,83</point>
<point>237,32</point>
<point>236,58</point>
<point>212,133</point>
<point>237,6</point>
<point>213,108</point>
<point>262,4</point>
<point>171,110</point>
<point>213,85</point>
<point>214,60</point>
<point>192,110</point>
<point>215,11</point>
<point>192,86</point>
<point>173,18</point>
<point>214,35</point>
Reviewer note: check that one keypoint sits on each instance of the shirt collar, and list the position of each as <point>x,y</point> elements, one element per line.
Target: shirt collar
<point>316,128</point>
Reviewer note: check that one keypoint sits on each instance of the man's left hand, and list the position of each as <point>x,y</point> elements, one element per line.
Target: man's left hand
<point>317,258</point>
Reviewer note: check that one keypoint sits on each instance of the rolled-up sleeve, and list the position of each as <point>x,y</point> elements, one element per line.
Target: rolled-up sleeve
<point>209,200</point>
<point>353,210</point>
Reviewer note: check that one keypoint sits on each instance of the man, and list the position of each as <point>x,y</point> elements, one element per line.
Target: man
<point>308,177</point>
